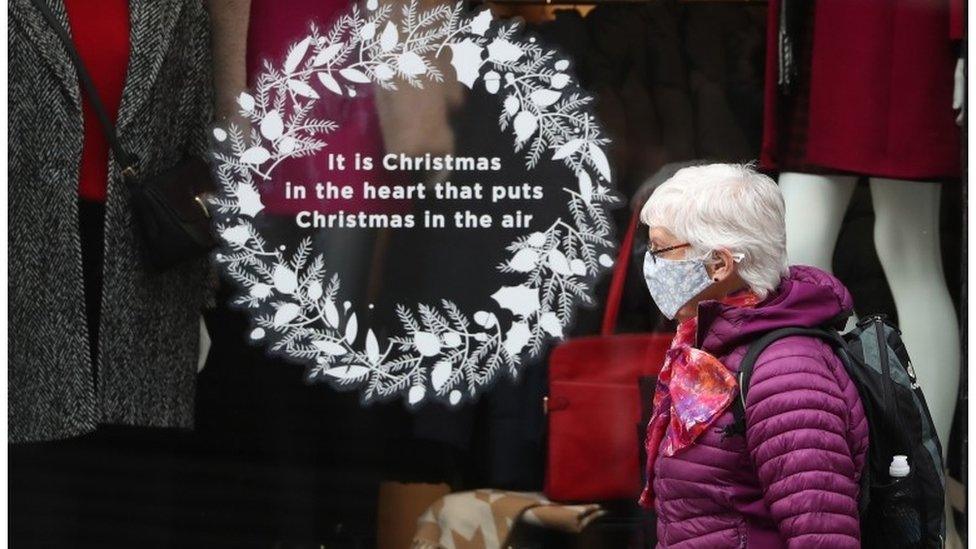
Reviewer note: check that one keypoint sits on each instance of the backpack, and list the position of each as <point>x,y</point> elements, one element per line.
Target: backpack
<point>894,512</point>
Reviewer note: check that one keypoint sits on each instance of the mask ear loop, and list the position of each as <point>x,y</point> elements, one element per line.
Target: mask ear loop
<point>737,257</point>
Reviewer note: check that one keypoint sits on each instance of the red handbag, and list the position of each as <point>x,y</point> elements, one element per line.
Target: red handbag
<point>593,407</point>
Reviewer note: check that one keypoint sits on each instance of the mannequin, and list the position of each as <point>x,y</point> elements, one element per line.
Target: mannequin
<point>906,235</point>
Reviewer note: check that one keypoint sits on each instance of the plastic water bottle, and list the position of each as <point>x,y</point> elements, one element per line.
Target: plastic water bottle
<point>904,527</point>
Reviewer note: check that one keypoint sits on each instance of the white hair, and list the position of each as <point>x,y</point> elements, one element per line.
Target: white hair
<point>729,206</point>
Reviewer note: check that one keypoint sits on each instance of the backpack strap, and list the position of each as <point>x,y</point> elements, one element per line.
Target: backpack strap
<point>738,426</point>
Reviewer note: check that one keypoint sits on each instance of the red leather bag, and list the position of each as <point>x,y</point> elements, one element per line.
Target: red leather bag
<point>593,407</point>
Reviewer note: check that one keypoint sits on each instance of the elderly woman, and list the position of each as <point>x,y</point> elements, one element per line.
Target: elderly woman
<point>717,264</point>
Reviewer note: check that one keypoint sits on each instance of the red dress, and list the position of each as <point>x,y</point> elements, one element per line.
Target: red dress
<point>100,31</point>
<point>878,96</point>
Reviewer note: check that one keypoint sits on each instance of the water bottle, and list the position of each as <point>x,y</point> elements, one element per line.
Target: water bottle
<point>900,515</point>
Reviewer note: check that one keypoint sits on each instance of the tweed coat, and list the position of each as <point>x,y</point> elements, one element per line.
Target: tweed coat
<point>149,332</point>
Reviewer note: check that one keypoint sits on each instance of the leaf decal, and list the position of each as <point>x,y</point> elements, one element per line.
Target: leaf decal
<point>466,60</point>
<point>372,347</point>
<point>389,37</point>
<point>296,54</point>
<point>354,75</point>
<point>517,338</point>
<point>330,83</point>
<point>303,89</point>
<point>525,125</point>
<point>352,327</point>
<point>440,374</point>
<point>568,148</point>
<point>600,161</point>
<point>585,186</point>
<point>522,300</point>
<point>512,105</point>
<point>327,54</point>
<point>481,22</point>
<point>348,373</point>
<point>503,51</point>
<point>368,31</point>
<point>285,314</point>
<point>248,199</point>
<point>331,313</point>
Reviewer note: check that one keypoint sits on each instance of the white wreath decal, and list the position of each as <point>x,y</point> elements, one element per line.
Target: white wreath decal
<point>442,352</point>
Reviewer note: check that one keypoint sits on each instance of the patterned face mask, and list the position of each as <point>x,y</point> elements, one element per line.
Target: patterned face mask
<point>674,282</point>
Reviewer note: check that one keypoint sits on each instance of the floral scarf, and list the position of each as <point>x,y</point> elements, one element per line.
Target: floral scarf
<point>693,389</point>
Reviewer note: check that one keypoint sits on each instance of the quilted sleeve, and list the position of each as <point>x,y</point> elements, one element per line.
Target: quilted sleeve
<point>797,419</point>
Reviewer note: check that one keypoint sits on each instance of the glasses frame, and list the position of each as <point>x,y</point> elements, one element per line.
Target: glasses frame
<point>654,253</point>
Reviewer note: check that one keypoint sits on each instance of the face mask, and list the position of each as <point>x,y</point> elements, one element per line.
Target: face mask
<point>674,282</point>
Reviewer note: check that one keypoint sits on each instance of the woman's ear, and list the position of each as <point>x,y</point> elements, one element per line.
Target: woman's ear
<point>722,265</point>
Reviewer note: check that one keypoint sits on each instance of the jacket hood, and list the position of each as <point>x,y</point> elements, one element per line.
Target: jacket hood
<point>806,297</point>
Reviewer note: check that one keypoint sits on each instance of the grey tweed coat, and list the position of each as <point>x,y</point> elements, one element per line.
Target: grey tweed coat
<point>149,333</point>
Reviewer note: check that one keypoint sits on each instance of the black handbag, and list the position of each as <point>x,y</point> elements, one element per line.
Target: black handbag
<point>170,207</point>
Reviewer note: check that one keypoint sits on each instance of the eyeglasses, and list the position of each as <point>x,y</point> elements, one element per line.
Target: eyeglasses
<point>655,252</point>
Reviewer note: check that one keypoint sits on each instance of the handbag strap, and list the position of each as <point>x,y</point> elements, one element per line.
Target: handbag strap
<point>620,268</point>
<point>126,161</point>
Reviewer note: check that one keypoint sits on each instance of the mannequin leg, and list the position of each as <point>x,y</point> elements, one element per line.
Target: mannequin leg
<point>815,208</point>
<point>906,234</point>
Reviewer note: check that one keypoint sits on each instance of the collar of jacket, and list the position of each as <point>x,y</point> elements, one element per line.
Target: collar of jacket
<point>150,36</point>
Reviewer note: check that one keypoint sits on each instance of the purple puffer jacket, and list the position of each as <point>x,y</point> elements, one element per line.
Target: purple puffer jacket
<point>793,480</point>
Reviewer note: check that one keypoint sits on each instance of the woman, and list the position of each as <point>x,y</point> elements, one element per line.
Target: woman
<point>95,335</point>
<point>717,264</point>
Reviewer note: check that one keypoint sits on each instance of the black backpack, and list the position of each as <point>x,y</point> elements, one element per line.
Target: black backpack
<point>895,513</point>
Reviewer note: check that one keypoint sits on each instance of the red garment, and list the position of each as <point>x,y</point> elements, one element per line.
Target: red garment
<point>100,31</point>
<point>880,98</point>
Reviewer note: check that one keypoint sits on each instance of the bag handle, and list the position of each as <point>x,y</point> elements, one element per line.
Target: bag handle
<point>619,277</point>
<point>125,160</point>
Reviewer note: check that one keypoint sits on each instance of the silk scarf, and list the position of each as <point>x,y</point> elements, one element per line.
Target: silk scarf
<point>692,391</point>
